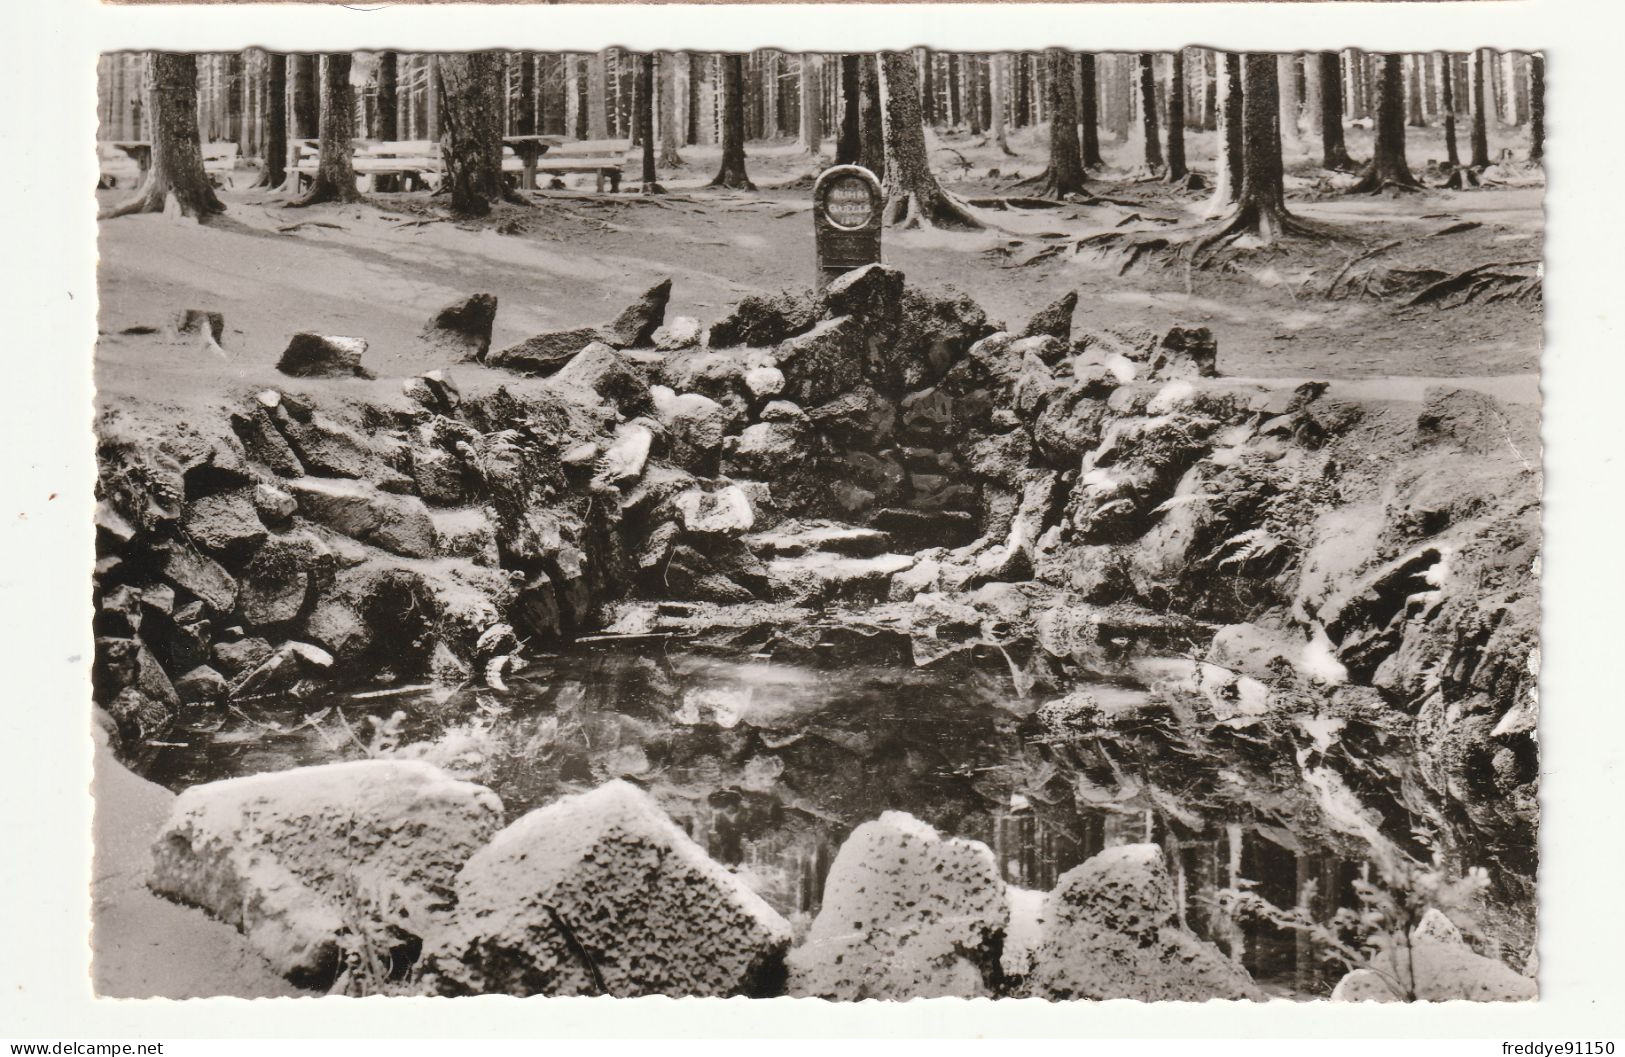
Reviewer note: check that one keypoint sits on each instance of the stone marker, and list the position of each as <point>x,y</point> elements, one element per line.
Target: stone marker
<point>846,220</point>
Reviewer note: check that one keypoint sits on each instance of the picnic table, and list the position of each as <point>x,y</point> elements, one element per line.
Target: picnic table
<point>140,150</point>
<point>529,150</point>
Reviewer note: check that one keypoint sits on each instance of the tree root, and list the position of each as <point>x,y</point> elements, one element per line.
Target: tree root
<point>153,200</point>
<point>1373,183</point>
<point>1202,247</point>
<point>908,210</point>
<point>324,191</point>
<point>1484,282</point>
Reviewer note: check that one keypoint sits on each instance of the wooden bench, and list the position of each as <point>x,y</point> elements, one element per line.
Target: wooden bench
<point>220,160</point>
<point>602,168</point>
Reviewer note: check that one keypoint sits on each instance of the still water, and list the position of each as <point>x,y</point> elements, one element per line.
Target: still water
<point>769,765</point>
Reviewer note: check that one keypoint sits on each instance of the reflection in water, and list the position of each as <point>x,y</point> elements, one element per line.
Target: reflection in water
<point>770,765</point>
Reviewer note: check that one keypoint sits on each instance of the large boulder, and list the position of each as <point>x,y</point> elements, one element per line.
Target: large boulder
<point>198,575</point>
<point>462,329</point>
<point>906,914</point>
<point>277,583</point>
<point>311,355</point>
<point>544,353</point>
<point>761,321</point>
<point>694,427</point>
<point>637,323</point>
<point>226,524</point>
<point>1108,932</point>
<point>1437,967</point>
<point>601,893</point>
<point>398,524</point>
<point>600,370</point>
<point>826,360</point>
<point>308,861</point>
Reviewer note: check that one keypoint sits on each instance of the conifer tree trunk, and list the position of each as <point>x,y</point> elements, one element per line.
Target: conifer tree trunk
<point>1537,107</point>
<point>914,198</point>
<point>335,175</point>
<point>1177,169</point>
<point>1414,78</point>
<point>646,123</point>
<point>871,125</point>
<point>1334,154</point>
<point>1229,162</point>
<point>1388,168</point>
<point>1089,105</point>
<point>732,173</point>
<point>1260,211</point>
<point>670,155</point>
<point>812,97</point>
<point>1309,121</point>
<point>597,111</point>
<point>996,119</point>
<point>1065,173</point>
<point>473,87</point>
<point>388,89</point>
<point>847,146</point>
<point>1480,135</point>
<point>276,120</point>
<point>553,98</point>
<point>305,117</point>
<point>1447,107</point>
<point>1152,156</point>
<point>175,173</point>
<point>524,121</point>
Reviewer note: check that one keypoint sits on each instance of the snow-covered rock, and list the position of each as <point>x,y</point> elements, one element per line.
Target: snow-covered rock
<point>301,860</point>
<point>1108,933</point>
<point>601,893</point>
<point>906,914</point>
<point>1445,969</point>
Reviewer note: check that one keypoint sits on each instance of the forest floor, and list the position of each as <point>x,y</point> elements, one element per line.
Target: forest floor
<point>378,270</point>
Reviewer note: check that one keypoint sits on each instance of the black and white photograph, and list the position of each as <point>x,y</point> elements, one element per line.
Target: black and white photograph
<point>1049,524</point>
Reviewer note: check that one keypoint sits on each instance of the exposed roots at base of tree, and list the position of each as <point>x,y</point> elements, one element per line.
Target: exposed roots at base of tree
<point>1372,182</point>
<point>1205,246</point>
<point>732,181</point>
<point>322,191</point>
<point>167,202</point>
<point>911,210</point>
<point>651,188</point>
<point>1191,181</point>
<point>1517,282</point>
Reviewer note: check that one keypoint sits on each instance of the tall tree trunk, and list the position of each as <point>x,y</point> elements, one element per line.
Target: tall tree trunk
<point>1089,105</point>
<point>1310,115</point>
<point>552,97</point>
<point>473,88</point>
<point>1334,154</point>
<point>176,169</point>
<point>847,147</point>
<point>1260,209</point>
<point>1152,154</point>
<point>434,91</point>
<point>924,62</point>
<point>276,120</point>
<point>1415,76</point>
<point>1388,167</point>
<point>1177,169</point>
<point>732,173</point>
<point>646,123</point>
<point>597,111</point>
<point>1065,173</point>
<point>1447,107</point>
<point>335,175</point>
<point>305,117</point>
<point>996,119</point>
<point>1286,77</point>
<point>871,125</point>
<point>524,121</point>
<point>914,198</point>
<point>1229,161</point>
<point>670,131</point>
<point>1480,136</point>
<point>812,99</point>
<point>388,89</point>
<point>1020,90</point>
<point>955,88</point>
<point>1537,107</point>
